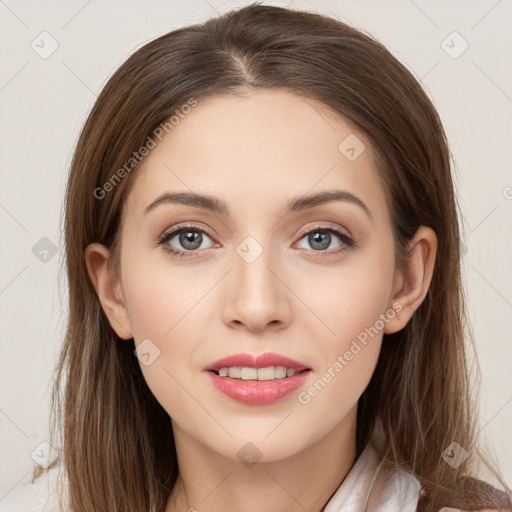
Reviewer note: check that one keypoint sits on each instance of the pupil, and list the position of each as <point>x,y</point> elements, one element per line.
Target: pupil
<point>320,238</point>
<point>190,237</point>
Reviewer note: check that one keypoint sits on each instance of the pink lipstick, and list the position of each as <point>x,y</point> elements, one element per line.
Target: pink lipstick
<point>257,380</point>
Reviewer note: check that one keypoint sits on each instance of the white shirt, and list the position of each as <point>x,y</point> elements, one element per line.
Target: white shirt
<point>395,490</point>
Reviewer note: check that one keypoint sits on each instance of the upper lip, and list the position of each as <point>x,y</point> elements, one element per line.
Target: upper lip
<point>256,361</point>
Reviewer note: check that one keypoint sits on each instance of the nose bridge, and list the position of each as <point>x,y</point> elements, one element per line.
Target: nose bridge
<point>253,261</point>
<point>257,295</point>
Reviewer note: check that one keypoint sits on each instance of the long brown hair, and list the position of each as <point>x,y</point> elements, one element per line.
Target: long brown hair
<point>118,447</point>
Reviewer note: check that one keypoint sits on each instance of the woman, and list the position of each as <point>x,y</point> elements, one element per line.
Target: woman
<point>261,210</point>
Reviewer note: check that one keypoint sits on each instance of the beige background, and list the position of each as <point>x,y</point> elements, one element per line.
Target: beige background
<point>44,103</point>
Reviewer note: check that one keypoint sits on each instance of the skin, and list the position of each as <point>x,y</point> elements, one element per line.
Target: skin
<point>255,151</point>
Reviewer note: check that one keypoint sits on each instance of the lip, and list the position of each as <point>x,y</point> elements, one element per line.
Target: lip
<point>258,392</point>
<point>257,361</point>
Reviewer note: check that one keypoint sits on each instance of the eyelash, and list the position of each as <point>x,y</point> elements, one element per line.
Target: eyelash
<point>347,241</point>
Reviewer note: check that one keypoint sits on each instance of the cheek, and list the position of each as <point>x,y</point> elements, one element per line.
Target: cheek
<point>354,309</point>
<point>351,299</point>
<point>348,357</point>
<point>166,318</point>
<point>158,296</point>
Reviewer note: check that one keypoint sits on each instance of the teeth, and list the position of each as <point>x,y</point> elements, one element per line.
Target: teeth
<point>266,373</point>
<point>249,373</point>
<point>280,372</point>
<point>235,372</point>
<point>246,373</point>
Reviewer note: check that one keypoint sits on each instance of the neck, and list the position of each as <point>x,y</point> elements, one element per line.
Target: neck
<point>306,480</point>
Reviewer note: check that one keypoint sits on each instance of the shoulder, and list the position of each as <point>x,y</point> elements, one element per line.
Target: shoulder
<point>40,495</point>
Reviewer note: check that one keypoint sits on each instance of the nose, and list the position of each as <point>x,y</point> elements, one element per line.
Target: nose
<point>257,294</point>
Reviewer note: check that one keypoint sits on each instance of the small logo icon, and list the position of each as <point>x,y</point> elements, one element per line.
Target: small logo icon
<point>44,45</point>
<point>249,249</point>
<point>249,454</point>
<point>351,147</point>
<point>44,454</point>
<point>454,45</point>
<point>44,250</point>
<point>454,455</point>
<point>146,352</point>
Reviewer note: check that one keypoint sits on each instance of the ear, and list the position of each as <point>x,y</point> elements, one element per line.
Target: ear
<point>410,286</point>
<point>108,289</point>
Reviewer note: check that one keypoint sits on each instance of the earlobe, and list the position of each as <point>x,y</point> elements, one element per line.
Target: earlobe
<point>108,289</point>
<point>414,281</point>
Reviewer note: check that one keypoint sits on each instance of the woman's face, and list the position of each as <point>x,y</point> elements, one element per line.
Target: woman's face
<point>257,276</point>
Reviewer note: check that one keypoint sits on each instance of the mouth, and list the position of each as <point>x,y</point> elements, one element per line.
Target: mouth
<point>249,373</point>
<point>257,380</point>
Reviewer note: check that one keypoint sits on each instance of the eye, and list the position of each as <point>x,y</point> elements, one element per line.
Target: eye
<point>320,239</point>
<point>190,238</point>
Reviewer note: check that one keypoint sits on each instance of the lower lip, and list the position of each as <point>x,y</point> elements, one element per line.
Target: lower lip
<point>258,392</point>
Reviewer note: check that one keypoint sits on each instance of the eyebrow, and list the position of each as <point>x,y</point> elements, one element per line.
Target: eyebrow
<point>219,206</point>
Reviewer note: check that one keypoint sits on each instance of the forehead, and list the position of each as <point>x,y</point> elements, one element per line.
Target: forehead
<point>256,150</point>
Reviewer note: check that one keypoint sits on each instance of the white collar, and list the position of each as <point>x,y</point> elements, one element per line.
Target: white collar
<point>394,489</point>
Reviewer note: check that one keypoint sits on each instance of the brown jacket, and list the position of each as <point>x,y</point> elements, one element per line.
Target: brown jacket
<point>489,499</point>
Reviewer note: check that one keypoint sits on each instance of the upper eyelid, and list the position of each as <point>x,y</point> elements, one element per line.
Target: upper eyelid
<point>339,230</point>
<point>326,226</point>
<point>175,230</point>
